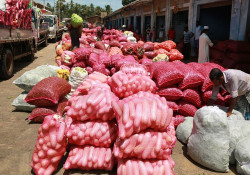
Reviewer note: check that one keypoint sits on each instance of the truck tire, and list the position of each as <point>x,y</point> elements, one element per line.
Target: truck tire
<point>7,64</point>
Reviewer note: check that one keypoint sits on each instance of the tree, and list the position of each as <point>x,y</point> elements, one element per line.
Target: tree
<point>108,9</point>
<point>49,6</point>
<point>126,2</point>
<point>98,10</point>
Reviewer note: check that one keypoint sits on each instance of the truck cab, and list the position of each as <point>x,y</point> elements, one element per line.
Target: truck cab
<point>55,30</point>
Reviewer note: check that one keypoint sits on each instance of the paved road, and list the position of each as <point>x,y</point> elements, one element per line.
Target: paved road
<point>18,136</point>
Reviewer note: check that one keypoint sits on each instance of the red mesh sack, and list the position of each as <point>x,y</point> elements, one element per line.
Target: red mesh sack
<point>239,57</point>
<point>100,45</point>
<point>174,55</point>
<point>168,74</point>
<point>96,133</point>
<point>146,62</point>
<point>90,158</point>
<point>206,96</point>
<point>148,46</point>
<point>243,67</point>
<point>217,55</point>
<point>192,78</point>
<point>126,60</point>
<point>187,109</point>
<point>173,105</point>
<point>116,57</point>
<point>238,46</point>
<point>139,50</point>
<point>93,59</point>
<point>153,67</point>
<point>150,54</point>
<point>172,94</point>
<point>122,39</point>
<point>192,96</point>
<point>115,51</point>
<point>48,92</point>
<point>162,51</point>
<point>38,114</point>
<point>141,111</point>
<point>220,46</point>
<point>228,63</point>
<point>128,48</point>
<point>149,167</point>
<point>50,145</point>
<point>178,119</point>
<point>97,51</point>
<point>145,145</point>
<point>114,43</point>
<point>167,45</point>
<point>79,64</point>
<point>91,39</point>
<point>227,99</point>
<point>82,53</point>
<point>104,59</point>
<point>134,69</point>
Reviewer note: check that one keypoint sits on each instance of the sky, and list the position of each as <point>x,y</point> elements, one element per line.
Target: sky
<point>115,4</point>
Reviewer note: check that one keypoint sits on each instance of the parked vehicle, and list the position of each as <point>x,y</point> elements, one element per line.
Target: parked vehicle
<point>16,43</point>
<point>65,21</point>
<point>55,30</point>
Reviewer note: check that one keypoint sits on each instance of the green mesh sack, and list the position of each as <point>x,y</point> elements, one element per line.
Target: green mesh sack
<point>76,20</point>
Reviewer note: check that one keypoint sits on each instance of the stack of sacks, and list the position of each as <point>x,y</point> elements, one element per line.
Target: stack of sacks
<point>186,87</point>
<point>146,135</point>
<point>50,145</point>
<point>218,52</point>
<point>231,54</point>
<point>48,97</point>
<point>91,128</point>
<point>28,80</point>
<point>16,14</point>
<point>107,56</point>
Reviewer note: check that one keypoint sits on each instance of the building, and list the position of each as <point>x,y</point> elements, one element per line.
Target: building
<point>227,19</point>
<point>97,20</point>
<point>44,9</point>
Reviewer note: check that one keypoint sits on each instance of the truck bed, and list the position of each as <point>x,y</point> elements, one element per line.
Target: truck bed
<point>12,35</point>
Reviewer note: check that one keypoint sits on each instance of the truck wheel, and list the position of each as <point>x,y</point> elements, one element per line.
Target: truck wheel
<point>7,64</point>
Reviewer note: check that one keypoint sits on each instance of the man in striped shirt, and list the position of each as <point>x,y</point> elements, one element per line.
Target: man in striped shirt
<point>187,35</point>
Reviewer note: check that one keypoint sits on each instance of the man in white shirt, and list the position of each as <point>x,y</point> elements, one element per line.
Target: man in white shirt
<point>187,35</point>
<point>204,43</point>
<point>237,83</point>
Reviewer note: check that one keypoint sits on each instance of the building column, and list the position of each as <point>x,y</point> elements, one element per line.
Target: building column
<point>245,7</point>
<point>192,16</point>
<point>167,18</point>
<point>142,23</point>
<point>135,23</point>
<point>235,19</point>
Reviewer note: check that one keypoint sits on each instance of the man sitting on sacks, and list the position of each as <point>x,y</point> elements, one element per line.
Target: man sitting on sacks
<point>237,83</point>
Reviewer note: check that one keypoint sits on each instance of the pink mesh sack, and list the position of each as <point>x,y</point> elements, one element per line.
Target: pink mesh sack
<point>96,133</point>
<point>206,96</point>
<point>141,111</point>
<point>50,145</point>
<point>48,92</point>
<point>145,145</point>
<point>90,158</point>
<point>124,85</point>
<point>149,167</point>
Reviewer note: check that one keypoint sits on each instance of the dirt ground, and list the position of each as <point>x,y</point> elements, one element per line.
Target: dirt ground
<point>18,136</point>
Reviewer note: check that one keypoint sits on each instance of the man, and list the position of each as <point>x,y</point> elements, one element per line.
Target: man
<point>237,83</point>
<point>196,37</point>
<point>204,43</point>
<point>123,28</point>
<point>152,34</point>
<point>148,33</point>
<point>171,33</point>
<point>161,33</point>
<point>187,35</point>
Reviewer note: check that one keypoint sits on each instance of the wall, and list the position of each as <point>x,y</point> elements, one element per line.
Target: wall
<point>248,23</point>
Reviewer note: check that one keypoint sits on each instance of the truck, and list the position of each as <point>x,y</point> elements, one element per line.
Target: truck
<point>55,29</point>
<point>16,43</point>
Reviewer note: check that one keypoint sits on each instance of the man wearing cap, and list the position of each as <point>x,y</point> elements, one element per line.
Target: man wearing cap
<point>237,83</point>
<point>204,43</point>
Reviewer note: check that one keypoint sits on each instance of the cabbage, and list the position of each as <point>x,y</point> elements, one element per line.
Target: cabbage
<point>76,20</point>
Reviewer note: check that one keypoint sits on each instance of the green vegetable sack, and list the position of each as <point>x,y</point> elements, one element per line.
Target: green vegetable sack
<point>76,20</point>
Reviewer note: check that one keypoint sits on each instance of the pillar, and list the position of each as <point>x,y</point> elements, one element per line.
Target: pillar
<point>142,23</point>
<point>167,18</point>
<point>135,23</point>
